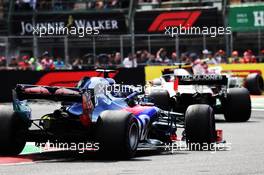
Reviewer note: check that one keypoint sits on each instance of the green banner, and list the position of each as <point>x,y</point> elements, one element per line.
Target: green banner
<point>246,17</point>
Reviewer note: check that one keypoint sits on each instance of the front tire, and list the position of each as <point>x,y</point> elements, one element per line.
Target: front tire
<point>117,133</point>
<point>199,126</point>
<point>237,105</point>
<point>12,132</point>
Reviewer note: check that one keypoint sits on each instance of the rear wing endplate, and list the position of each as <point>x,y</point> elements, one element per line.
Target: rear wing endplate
<point>24,91</point>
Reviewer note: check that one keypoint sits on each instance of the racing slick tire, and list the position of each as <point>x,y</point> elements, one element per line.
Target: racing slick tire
<point>117,133</point>
<point>161,98</point>
<point>13,131</point>
<point>237,105</point>
<point>200,127</point>
<point>254,83</point>
<point>156,82</point>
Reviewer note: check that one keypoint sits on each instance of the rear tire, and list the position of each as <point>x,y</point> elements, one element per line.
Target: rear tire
<point>161,98</point>
<point>237,105</point>
<point>118,134</point>
<point>12,132</point>
<point>200,127</point>
<point>156,82</point>
<point>254,84</point>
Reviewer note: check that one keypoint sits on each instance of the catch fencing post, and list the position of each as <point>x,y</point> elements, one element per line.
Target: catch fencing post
<point>204,42</point>
<point>231,42</point>
<point>66,50</point>
<point>177,46</point>
<point>121,47</point>
<point>149,44</point>
<point>259,41</point>
<point>6,50</point>
<point>94,47</point>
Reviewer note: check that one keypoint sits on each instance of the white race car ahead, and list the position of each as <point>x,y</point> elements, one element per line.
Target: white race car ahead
<point>177,89</point>
<point>253,82</point>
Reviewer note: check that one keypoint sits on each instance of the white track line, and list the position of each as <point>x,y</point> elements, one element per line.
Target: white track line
<point>257,109</point>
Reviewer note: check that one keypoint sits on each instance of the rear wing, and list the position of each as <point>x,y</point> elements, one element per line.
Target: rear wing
<point>24,91</point>
<point>171,70</point>
<point>202,80</point>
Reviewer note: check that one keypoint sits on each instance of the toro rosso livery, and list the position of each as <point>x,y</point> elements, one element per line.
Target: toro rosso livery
<point>88,113</point>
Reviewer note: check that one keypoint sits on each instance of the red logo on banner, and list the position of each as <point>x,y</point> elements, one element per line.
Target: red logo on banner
<point>174,19</point>
<point>68,79</point>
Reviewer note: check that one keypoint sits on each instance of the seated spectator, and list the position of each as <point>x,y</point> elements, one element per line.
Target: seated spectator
<point>13,63</point>
<point>151,60</point>
<point>24,64</point>
<point>91,4</point>
<point>2,61</point>
<point>205,53</point>
<point>110,58</point>
<point>99,4</point>
<point>208,57</point>
<point>59,63</point>
<point>145,56</point>
<point>248,57</point>
<point>234,57</point>
<point>103,60</point>
<point>130,61</point>
<point>23,5</point>
<point>113,4</point>
<point>58,5</point>
<point>185,58</point>
<point>35,64</point>
<point>47,62</point>
<point>117,58</point>
<point>44,4</point>
<point>88,59</point>
<point>77,64</point>
<point>139,57</point>
<point>193,56</point>
<point>261,58</point>
<point>161,56</point>
<point>174,58</point>
<point>220,56</point>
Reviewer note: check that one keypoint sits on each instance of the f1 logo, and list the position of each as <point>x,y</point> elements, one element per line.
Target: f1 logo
<point>174,19</point>
<point>258,18</point>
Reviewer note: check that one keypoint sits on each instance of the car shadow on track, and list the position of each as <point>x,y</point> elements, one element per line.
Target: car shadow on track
<point>223,121</point>
<point>75,157</point>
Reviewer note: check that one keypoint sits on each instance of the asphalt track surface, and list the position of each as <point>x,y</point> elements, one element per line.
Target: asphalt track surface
<point>246,155</point>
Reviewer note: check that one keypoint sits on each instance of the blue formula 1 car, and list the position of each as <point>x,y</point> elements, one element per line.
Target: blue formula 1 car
<point>118,123</point>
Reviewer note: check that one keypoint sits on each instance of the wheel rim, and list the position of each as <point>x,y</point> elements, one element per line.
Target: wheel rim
<point>133,136</point>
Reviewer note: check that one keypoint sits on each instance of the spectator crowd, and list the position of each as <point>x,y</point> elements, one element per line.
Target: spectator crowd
<point>140,58</point>
<point>57,5</point>
<point>45,62</point>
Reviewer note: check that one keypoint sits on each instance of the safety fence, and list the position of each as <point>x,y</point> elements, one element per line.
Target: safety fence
<point>133,76</point>
<point>70,48</point>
